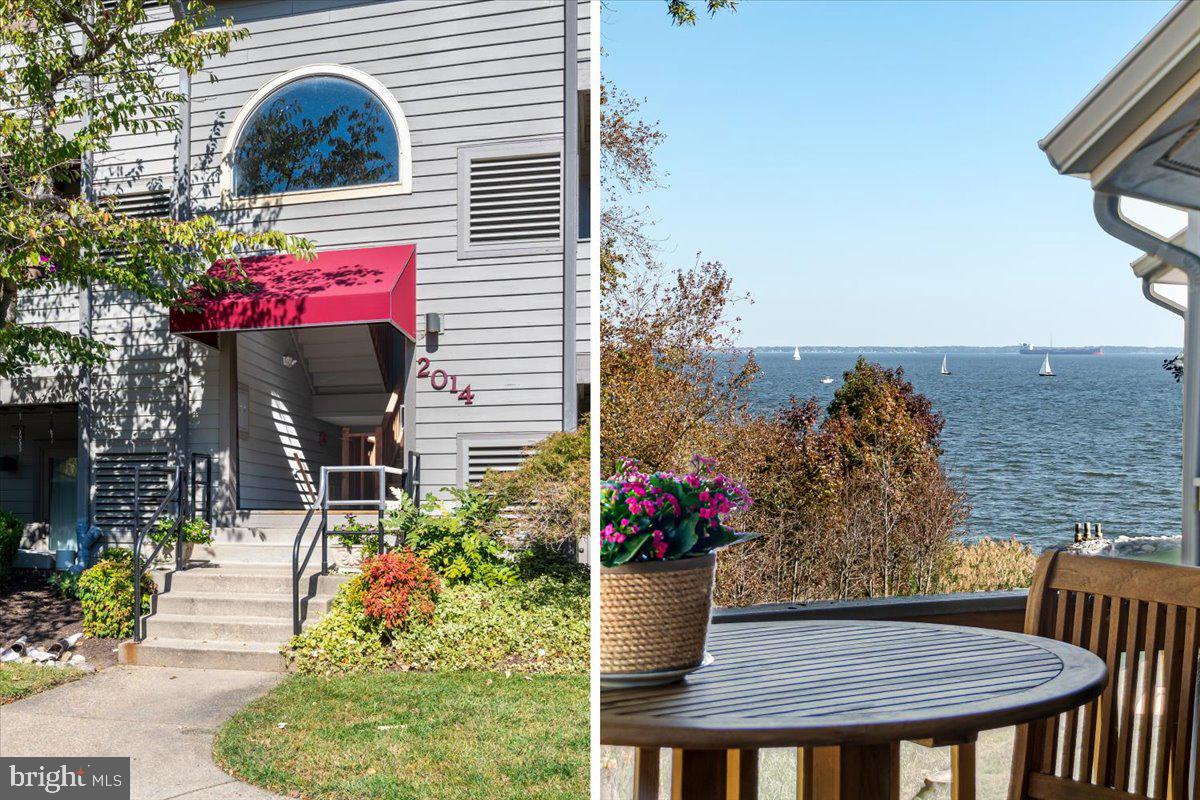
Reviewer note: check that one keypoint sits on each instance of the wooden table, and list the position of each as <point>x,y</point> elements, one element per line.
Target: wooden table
<point>848,692</point>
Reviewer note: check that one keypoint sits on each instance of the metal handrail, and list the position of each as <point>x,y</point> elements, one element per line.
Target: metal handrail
<point>323,504</point>
<point>297,567</point>
<point>175,489</point>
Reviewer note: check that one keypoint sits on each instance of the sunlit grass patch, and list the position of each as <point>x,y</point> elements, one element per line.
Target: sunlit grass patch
<point>19,680</point>
<point>448,736</point>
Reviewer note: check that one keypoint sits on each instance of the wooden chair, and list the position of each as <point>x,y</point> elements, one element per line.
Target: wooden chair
<point>1141,618</point>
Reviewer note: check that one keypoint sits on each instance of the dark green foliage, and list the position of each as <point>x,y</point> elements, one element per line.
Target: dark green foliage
<point>461,542</point>
<point>106,591</point>
<point>11,529</point>
<point>65,584</point>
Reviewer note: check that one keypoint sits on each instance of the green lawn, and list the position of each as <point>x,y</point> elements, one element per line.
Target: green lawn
<point>424,736</point>
<point>22,680</point>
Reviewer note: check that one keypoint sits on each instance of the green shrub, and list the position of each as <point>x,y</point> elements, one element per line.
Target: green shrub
<point>353,533</point>
<point>343,641</point>
<point>65,584</point>
<point>106,592</point>
<point>11,529</point>
<point>536,626</point>
<point>459,542</point>
<point>549,494</point>
<point>196,530</point>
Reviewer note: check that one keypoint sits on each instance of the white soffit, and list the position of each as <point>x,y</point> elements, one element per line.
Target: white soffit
<point>1124,101</point>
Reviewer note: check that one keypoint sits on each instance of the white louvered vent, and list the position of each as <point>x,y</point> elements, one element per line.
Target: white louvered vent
<point>114,475</point>
<point>143,205</point>
<point>514,200</point>
<point>478,454</point>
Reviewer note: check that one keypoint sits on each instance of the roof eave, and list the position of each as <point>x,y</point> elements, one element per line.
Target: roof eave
<point>1155,69</point>
<point>1150,264</point>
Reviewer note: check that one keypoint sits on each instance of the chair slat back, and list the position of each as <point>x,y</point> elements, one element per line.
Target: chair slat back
<point>1133,741</point>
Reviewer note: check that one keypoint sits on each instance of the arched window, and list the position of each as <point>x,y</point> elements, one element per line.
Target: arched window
<point>319,129</point>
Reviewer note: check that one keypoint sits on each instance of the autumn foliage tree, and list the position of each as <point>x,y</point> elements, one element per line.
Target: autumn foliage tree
<point>73,75</point>
<point>852,498</point>
<point>669,378</point>
<point>856,498</point>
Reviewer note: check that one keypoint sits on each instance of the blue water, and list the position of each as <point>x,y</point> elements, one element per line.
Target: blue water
<point>1099,442</point>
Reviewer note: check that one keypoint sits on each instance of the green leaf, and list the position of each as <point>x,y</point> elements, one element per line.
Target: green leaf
<point>628,549</point>
<point>685,537</point>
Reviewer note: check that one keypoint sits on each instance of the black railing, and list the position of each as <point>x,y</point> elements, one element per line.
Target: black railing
<point>185,507</point>
<point>321,534</point>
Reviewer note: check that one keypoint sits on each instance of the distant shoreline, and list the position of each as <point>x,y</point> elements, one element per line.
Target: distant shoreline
<point>950,348</point>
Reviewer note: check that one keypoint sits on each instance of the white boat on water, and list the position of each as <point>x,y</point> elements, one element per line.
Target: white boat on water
<point>1045,371</point>
<point>945,369</point>
<point>826,379</point>
<point>796,354</point>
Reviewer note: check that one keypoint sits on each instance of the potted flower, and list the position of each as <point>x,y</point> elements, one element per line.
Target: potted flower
<point>658,541</point>
<point>193,532</point>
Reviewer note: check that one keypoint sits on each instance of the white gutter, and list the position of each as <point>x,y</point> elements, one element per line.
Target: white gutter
<point>1107,208</point>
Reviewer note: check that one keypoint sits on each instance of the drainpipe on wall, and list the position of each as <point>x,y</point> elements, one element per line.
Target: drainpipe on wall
<point>1108,213</point>
<point>570,396</point>
<point>181,210</point>
<point>1160,300</point>
<point>83,449</point>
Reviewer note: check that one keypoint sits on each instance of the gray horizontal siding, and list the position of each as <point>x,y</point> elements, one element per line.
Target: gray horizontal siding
<point>463,73</point>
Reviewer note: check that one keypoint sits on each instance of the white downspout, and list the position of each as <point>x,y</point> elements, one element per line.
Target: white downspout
<point>1107,208</point>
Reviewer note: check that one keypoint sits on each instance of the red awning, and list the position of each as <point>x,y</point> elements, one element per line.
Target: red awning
<point>340,287</point>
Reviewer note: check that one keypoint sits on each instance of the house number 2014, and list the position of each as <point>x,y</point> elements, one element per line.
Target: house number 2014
<point>439,380</point>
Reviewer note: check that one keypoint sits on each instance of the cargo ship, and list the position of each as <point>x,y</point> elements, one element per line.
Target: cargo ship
<point>1031,350</point>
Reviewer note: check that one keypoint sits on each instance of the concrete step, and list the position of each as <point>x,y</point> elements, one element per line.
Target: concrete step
<point>248,579</point>
<point>222,629</point>
<point>273,536</point>
<point>236,605</point>
<point>258,656</point>
<point>291,520</point>
<point>248,552</point>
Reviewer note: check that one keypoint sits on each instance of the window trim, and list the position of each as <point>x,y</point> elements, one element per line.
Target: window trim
<point>522,147</point>
<point>385,96</point>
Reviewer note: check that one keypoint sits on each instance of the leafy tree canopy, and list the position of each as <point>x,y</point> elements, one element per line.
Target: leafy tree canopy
<point>682,12</point>
<point>73,74</point>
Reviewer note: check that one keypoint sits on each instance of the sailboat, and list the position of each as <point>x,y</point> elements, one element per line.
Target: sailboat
<point>796,354</point>
<point>945,369</point>
<point>1045,371</point>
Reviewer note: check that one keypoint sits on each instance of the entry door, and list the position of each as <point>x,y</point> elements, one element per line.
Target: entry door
<point>60,472</point>
<point>358,450</point>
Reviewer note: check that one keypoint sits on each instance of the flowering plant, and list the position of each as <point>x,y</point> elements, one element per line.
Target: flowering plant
<point>664,516</point>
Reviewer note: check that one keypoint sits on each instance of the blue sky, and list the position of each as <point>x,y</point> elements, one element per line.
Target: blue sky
<point>869,173</point>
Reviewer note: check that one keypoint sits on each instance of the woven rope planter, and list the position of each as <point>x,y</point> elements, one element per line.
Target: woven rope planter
<point>654,615</point>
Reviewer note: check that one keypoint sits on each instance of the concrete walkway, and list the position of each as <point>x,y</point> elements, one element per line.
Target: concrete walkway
<point>164,718</point>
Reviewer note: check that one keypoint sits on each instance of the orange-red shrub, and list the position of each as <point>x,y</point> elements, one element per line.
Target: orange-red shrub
<point>398,588</point>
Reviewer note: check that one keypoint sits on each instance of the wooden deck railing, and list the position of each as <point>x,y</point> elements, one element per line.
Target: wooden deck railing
<point>1003,611</point>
